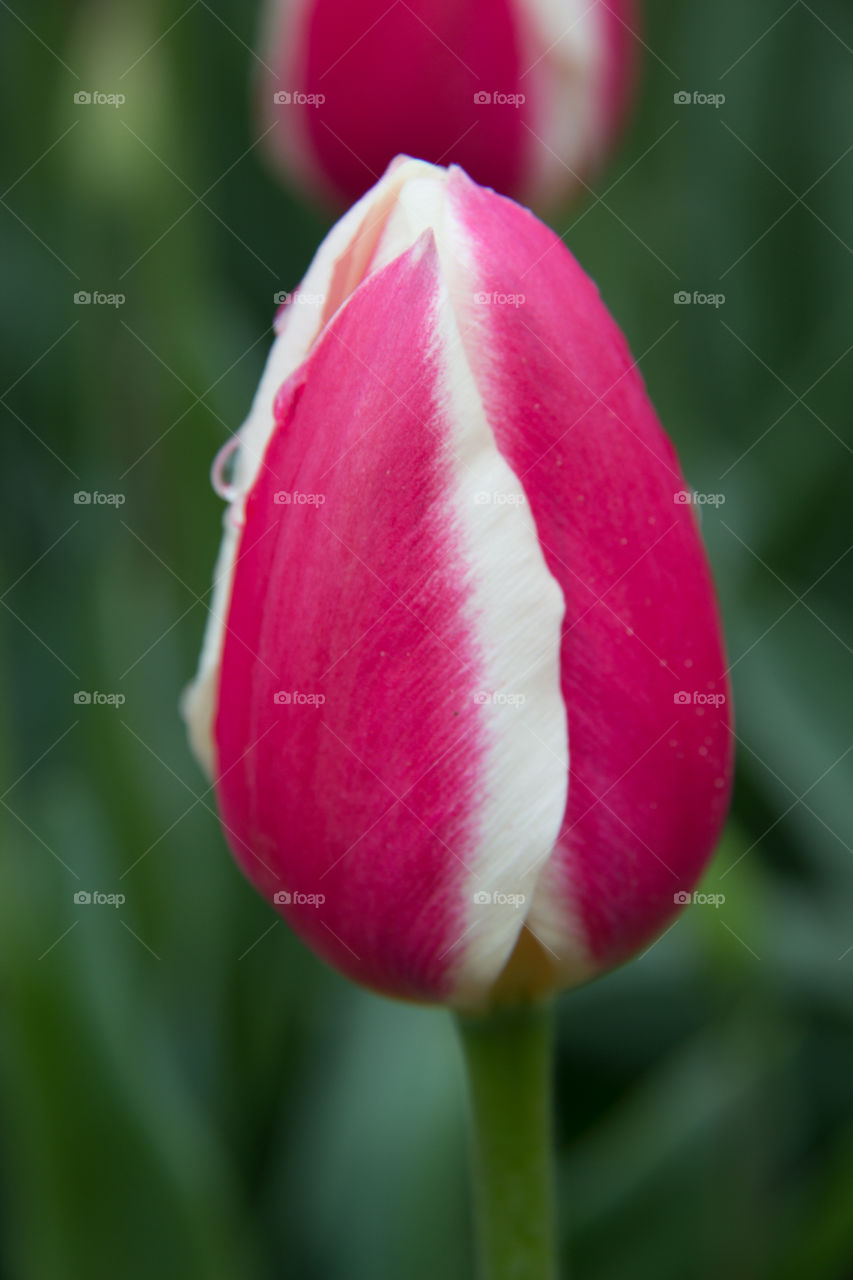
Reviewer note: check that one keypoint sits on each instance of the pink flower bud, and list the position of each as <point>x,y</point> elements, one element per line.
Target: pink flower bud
<point>463,692</point>
<point>525,95</point>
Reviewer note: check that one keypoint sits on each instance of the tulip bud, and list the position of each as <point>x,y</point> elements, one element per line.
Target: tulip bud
<point>525,95</point>
<point>462,694</point>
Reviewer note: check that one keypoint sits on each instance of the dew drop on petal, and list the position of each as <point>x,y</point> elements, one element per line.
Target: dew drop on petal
<point>222,471</point>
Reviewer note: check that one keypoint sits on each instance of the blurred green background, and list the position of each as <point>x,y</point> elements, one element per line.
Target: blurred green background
<point>186,1092</point>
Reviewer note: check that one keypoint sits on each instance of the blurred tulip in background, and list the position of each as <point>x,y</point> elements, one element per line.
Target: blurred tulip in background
<point>525,95</point>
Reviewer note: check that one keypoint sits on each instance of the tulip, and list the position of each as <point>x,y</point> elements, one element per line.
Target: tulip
<point>462,692</point>
<point>527,96</point>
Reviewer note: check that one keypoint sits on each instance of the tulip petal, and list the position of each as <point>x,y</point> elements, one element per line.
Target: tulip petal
<point>336,270</point>
<point>367,80</point>
<point>434,769</point>
<point>643,669</point>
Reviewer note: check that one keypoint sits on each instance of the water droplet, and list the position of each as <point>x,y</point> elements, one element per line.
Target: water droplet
<point>222,471</point>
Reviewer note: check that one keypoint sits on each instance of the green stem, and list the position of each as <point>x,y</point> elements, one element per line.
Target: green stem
<point>508,1054</point>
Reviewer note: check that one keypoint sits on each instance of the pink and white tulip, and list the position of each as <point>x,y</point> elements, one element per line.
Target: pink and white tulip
<point>463,693</point>
<point>525,95</point>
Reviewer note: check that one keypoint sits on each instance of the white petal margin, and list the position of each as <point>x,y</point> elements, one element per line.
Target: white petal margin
<point>566,54</point>
<point>518,609</point>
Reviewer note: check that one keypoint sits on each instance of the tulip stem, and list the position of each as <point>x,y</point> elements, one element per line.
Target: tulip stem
<point>508,1055</point>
